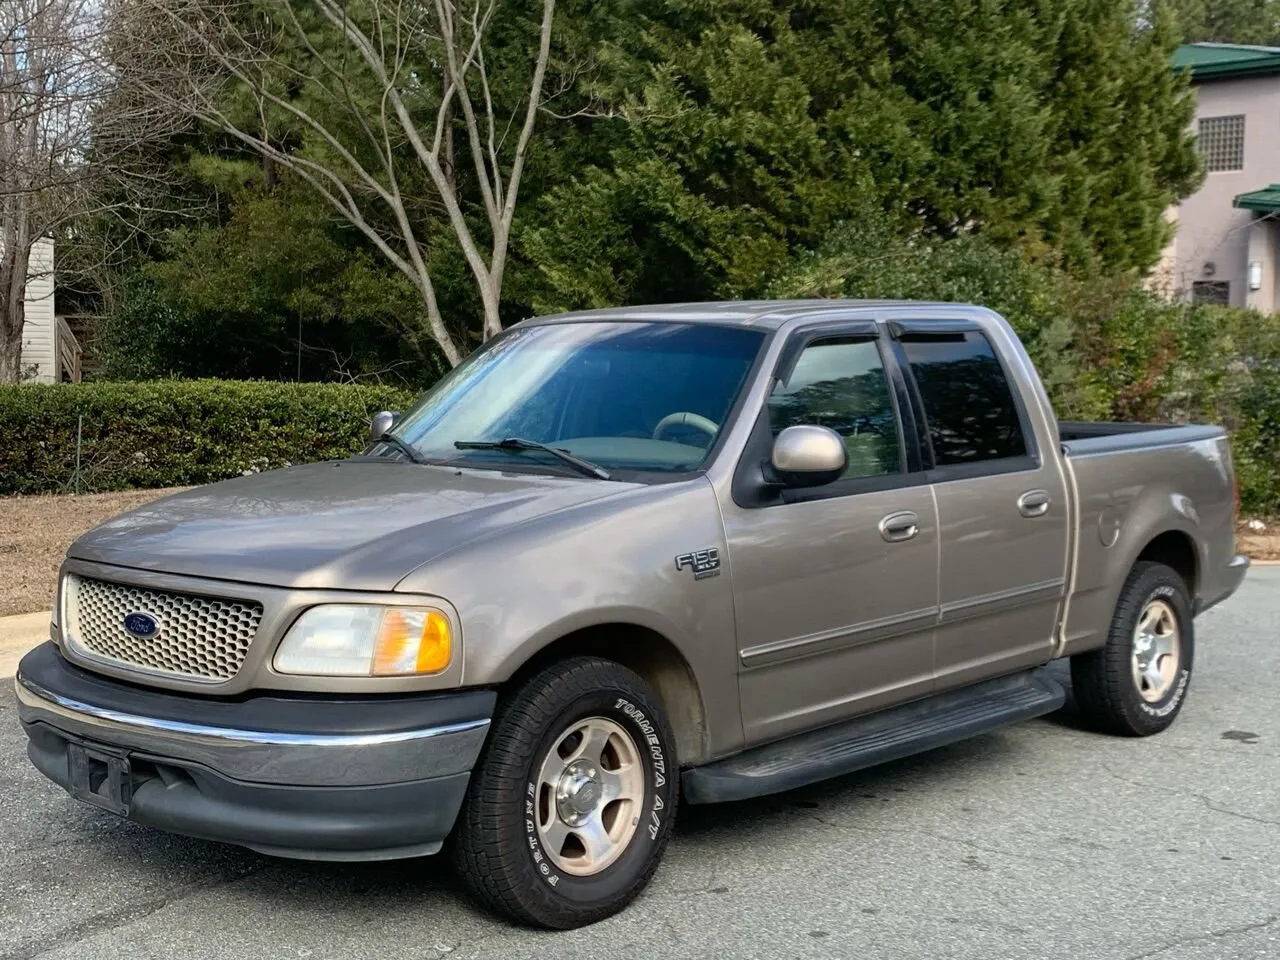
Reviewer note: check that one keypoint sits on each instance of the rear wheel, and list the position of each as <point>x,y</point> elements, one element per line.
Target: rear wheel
<point>571,805</point>
<point>1137,683</point>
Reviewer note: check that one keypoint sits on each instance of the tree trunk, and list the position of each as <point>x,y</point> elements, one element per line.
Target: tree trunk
<point>492,320</point>
<point>13,291</point>
<point>11,360</point>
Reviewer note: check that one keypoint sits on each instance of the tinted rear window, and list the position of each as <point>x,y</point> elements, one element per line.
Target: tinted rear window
<point>968,404</point>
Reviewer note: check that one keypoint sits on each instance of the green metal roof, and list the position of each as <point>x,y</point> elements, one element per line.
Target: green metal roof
<point>1216,61</point>
<point>1266,200</point>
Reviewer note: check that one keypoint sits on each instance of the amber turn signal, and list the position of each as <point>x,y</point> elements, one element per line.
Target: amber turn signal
<point>412,641</point>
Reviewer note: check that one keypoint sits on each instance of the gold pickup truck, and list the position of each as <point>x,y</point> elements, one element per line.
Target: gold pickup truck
<point>622,560</point>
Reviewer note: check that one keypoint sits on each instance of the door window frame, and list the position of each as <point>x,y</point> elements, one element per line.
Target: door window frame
<point>1024,463</point>
<point>750,489</point>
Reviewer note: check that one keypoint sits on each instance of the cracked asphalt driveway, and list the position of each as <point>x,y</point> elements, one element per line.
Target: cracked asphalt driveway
<point>1036,841</point>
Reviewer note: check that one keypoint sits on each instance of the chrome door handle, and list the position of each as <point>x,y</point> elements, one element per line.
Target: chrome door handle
<point>1034,503</point>
<point>900,526</point>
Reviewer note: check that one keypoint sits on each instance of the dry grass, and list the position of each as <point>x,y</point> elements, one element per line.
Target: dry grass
<point>1260,545</point>
<point>36,531</point>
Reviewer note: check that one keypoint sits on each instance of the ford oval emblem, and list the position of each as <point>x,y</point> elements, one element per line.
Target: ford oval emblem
<point>141,625</point>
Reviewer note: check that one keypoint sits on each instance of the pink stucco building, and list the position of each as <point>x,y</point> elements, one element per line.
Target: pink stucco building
<point>1227,246</point>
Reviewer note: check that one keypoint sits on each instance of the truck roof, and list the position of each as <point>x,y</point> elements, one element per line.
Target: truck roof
<point>765,314</point>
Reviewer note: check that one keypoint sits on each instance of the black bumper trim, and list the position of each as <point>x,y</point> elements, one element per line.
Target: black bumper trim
<point>343,715</point>
<point>311,823</point>
<point>348,778</point>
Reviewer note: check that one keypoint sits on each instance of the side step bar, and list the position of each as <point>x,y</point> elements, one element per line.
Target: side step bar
<point>866,741</point>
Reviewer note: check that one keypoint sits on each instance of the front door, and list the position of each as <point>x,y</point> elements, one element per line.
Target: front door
<point>1002,507</point>
<point>835,588</point>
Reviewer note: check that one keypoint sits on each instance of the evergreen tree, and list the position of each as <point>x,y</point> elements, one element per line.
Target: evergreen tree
<point>1230,21</point>
<point>693,149</point>
<point>1056,126</point>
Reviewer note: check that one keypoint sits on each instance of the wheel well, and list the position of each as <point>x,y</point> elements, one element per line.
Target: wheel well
<point>1177,551</point>
<point>653,657</point>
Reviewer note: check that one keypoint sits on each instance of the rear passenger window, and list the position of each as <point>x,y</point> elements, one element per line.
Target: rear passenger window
<point>968,404</point>
<point>840,383</point>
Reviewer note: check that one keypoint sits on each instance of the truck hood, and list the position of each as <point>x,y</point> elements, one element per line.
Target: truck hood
<point>352,524</point>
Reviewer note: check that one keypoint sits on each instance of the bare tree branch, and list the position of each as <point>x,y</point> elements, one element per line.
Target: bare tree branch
<point>373,110</point>
<point>70,144</point>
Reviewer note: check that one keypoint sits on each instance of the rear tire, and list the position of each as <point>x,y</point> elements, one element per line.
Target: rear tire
<point>571,805</point>
<point>1136,684</point>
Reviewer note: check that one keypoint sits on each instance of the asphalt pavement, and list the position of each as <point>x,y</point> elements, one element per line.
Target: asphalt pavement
<point>1037,841</point>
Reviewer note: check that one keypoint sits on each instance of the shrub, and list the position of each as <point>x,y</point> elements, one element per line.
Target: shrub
<point>1106,348</point>
<point>1249,403</point>
<point>170,432</point>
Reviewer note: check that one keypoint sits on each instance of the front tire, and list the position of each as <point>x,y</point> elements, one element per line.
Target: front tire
<point>1137,683</point>
<point>572,802</point>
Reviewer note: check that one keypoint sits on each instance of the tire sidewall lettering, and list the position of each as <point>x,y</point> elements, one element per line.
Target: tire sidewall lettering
<point>540,861</point>
<point>648,739</point>
<point>1173,700</point>
<point>651,744</point>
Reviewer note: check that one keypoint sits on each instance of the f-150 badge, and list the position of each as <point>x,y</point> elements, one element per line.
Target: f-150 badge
<point>703,563</point>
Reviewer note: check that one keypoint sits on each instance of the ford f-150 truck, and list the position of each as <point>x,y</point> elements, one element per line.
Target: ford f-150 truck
<point>622,558</point>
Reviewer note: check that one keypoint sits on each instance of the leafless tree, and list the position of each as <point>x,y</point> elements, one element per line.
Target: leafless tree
<point>361,100</point>
<point>70,142</point>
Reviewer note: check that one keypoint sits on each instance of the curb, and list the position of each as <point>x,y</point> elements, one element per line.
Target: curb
<point>18,634</point>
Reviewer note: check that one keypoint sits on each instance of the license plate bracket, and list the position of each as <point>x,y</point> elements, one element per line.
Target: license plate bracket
<point>101,776</point>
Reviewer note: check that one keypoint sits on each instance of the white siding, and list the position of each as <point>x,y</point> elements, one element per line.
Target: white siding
<point>39,333</point>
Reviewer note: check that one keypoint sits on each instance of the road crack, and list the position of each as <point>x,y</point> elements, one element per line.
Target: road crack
<point>1235,813</point>
<point>122,916</point>
<point>1203,798</point>
<point>1211,935</point>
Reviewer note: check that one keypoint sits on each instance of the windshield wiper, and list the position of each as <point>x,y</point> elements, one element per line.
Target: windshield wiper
<point>520,443</point>
<point>403,447</point>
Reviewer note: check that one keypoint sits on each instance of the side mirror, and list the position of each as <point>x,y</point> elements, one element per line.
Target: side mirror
<point>382,422</point>
<point>808,456</point>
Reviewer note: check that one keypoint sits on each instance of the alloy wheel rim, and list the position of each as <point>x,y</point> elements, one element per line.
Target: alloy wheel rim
<point>1157,651</point>
<point>589,790</point>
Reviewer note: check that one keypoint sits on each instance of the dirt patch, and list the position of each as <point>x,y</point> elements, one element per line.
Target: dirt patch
<point>36,531</point>
<point>1260,544</point>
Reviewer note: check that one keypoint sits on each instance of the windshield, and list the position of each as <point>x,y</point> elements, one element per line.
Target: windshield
<point>624,396</point>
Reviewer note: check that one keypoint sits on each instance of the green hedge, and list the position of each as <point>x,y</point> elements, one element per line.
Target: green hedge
<point>172,432</point>
<point>1106,350</point>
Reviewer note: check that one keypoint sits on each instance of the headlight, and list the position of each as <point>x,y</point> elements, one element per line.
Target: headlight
<point>360,640</point>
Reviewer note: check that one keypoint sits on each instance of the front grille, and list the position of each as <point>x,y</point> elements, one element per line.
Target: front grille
<point>202,638</point>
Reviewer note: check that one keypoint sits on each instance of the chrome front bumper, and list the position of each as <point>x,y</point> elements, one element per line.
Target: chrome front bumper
<point>346,778</point>
<point>292,759</point>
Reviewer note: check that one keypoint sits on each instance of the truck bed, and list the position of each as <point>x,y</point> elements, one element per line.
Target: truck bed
<point>1087,437</point>
<point>1133,478</point>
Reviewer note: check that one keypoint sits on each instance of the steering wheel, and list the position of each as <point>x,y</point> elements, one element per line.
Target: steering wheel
<point>709,427</point>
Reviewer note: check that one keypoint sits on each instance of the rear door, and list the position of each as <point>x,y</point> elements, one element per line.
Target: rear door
<point>1001,501</point>
<point>835,587</point>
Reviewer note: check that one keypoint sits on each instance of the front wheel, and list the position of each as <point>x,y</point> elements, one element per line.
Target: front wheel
<point>1137,683</point>
<point>571,805</point>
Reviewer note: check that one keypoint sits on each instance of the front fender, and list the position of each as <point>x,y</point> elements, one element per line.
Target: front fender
<point>604,562</point>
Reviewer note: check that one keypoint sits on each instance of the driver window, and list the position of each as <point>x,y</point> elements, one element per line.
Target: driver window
<point>840,383</point>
